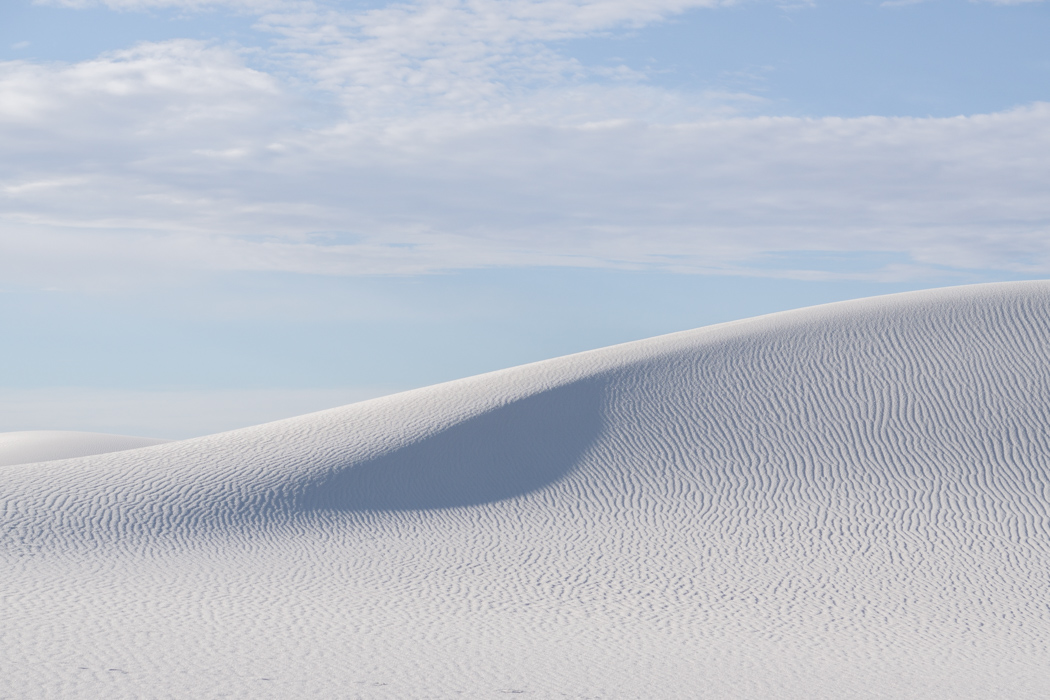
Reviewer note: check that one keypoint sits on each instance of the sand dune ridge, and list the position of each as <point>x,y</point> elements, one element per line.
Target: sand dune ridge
<point>843,501</point>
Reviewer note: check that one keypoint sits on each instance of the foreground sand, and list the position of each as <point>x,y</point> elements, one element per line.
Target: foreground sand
<point>848,501</point>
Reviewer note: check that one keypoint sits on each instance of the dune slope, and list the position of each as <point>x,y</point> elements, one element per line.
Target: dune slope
<point>847,501</point>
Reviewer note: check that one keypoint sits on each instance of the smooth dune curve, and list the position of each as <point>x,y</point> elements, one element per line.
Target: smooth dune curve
<point>24,446</point>
<point>846,501</point>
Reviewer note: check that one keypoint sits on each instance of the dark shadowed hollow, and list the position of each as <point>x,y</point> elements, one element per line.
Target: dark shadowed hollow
<point>509,451</point>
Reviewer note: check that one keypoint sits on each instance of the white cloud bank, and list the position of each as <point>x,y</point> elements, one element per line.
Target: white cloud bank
<point>445,135</point>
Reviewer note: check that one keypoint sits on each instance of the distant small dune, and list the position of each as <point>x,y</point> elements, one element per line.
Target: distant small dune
<point>45,445</point>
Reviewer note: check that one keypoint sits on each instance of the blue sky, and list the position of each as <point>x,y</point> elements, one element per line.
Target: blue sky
<point>217,213</point>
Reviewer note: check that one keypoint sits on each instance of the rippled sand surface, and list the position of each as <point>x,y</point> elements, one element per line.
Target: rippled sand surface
<point>847,501</point>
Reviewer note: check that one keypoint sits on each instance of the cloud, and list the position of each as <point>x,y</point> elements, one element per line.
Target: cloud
<point>449,135</point>
<point>247,6</point>
<point>966,192</point>
<point>151,78</point>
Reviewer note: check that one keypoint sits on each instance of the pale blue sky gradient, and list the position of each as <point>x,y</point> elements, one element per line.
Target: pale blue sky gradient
<point>202,198</point>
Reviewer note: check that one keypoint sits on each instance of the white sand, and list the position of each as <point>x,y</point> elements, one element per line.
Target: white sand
<point>849,501</point>
<point>44,445</point>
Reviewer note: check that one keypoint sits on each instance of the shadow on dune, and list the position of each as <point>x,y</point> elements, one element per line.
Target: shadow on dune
<point>507,452</point>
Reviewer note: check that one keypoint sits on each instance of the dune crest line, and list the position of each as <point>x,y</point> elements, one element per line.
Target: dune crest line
<point>846,501</point>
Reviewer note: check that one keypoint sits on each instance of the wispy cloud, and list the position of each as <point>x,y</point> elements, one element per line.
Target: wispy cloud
<point>250,6</point>
<point>444,135</point>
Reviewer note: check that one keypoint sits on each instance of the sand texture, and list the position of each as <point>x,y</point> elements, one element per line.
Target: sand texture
<point>847,501</point>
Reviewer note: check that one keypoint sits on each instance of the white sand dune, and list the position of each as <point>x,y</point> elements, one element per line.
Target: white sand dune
<point>848,501</point>
<point>45,445</point>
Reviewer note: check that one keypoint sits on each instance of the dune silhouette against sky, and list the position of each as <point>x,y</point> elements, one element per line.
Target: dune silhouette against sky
<point>844,501</point>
